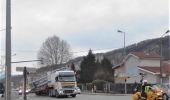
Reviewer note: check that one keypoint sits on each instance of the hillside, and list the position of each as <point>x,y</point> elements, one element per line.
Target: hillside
<point>116,56</point>
<point>151,45</point>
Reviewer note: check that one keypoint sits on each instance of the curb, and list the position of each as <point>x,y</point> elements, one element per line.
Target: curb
<point>108,94</point>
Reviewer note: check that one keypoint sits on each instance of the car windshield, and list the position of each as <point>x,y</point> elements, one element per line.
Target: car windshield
<point>67,78</point>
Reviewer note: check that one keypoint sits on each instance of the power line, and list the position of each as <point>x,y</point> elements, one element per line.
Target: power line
<point>83,51</point>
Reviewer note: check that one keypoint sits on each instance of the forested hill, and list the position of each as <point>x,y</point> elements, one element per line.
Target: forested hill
<point>151,45</point>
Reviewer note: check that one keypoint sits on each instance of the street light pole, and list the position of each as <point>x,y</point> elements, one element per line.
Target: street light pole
<point>8,51</point>
<point>161,56</point>
<point>124,51</point>
<point>124,54</point>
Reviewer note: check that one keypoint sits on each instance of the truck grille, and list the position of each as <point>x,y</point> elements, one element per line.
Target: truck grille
<point>67,86</point>
<point>68,91</point>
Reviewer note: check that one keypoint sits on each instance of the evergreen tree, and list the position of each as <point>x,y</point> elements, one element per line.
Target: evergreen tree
<point>104,71</point>
<point>106,65</point>
<point>88,68</point>
<point>73,67</point>
<point>107,68</point>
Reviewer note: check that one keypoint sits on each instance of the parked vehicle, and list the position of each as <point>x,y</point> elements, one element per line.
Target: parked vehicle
<point>78,91</point>
<point>21,91</point>
<point>166,91</point>
<point>2,89</point>
<point>60,82</point>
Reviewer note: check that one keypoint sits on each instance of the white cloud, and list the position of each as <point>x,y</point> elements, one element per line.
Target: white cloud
<point>35,20</point>
<point>71,16</point>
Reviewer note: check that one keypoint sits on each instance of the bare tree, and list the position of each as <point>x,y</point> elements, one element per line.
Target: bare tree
<point>54,51</point>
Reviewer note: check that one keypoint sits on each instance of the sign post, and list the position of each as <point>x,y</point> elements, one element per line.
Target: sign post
<point>25,81</point>
<point>25,71</point>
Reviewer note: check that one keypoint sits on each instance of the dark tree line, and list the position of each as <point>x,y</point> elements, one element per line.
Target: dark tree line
<point>92,69</point>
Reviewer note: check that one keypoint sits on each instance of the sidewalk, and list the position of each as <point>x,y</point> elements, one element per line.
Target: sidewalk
<point>108,94</point>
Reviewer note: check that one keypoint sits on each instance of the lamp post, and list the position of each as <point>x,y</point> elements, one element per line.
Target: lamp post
<point>124,54</point>
<point>161,56</point>
<point>124,51</point>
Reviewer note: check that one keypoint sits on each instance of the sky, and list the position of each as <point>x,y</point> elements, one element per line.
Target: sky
<point>84,24</point>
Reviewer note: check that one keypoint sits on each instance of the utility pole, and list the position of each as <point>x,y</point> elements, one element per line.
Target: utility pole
<point>8,52</point>
<point>161,55</point>
<point>25,82</point>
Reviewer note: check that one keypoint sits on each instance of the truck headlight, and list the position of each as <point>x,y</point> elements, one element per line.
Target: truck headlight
<point>60,91</point>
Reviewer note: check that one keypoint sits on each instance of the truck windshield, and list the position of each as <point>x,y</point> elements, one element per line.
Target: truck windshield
<point>67,78</point>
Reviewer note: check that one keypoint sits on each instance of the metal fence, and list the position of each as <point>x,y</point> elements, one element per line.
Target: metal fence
<point>109,87</point>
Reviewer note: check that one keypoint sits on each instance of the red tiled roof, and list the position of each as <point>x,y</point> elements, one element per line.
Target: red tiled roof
<point>156,70</point>
<point>151,69</point>
<point>146,55</point>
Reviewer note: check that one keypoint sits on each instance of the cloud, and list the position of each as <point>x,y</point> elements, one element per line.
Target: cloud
<point>38,19</point>
<point>71,16</point>
<point>85,23</point>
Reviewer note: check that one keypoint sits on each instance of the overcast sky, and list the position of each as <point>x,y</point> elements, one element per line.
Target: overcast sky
<point>84,24</point>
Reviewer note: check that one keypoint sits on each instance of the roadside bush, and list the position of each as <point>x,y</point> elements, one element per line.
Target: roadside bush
<point>89,86</point>
<point>99,84</point>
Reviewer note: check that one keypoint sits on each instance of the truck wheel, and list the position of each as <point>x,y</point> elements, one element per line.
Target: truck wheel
<point>74,95</point>
<point>36,93</point>
<point>49,93</point>
<point>56,94</point>
<point>2,95</point>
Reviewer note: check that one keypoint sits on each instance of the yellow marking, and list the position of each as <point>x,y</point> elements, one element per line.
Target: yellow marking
<point>68,83</point>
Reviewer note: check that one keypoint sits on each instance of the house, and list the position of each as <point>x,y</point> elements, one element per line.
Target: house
<point>140,62</point>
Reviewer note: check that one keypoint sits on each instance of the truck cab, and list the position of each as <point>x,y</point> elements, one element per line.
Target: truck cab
<point>63,84</point>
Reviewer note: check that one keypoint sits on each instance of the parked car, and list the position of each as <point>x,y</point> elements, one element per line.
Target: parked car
<point>166,91</point>
<point>78,91</point>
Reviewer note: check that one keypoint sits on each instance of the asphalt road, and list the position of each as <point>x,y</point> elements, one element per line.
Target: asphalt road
<point>15,96</point>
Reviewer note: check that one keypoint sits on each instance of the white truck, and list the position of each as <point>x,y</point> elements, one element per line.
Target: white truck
<point>61,82</point>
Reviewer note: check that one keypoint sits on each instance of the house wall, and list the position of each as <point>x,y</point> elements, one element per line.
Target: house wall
<point>129,69</point>
<point>149,62</point>
<point>151,78</point>
<point>134,79</point>
<point>131,66</point>
<point>119,72</point>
